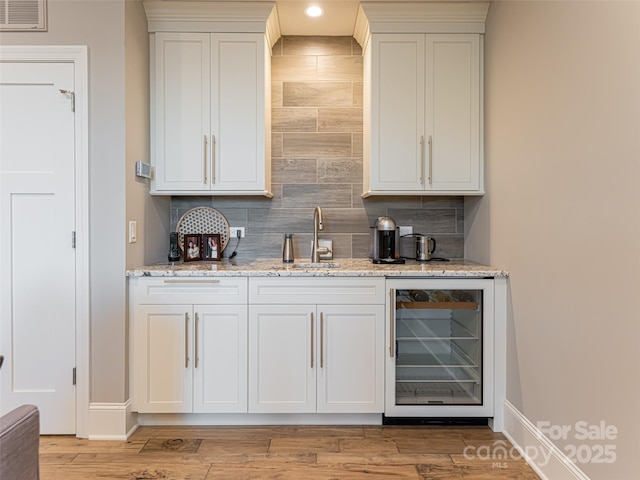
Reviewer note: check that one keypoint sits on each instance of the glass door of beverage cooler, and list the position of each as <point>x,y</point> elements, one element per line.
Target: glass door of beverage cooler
<point>438,349</point>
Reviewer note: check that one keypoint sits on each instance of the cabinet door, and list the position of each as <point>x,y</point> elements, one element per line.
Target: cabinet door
<point>351,359</point>
<point>220,360</point>
<point>397,112</point>
<point>282,359</point>
<point>163,358</point>
<point>181,121</point>
<point>238,112</point>
<point>453,112</point>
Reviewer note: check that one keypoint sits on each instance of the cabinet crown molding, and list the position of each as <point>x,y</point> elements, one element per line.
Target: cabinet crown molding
<point>408,17</point>
<point>218,17</point>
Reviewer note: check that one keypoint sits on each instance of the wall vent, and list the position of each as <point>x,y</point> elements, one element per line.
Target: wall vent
<point>23,15</point>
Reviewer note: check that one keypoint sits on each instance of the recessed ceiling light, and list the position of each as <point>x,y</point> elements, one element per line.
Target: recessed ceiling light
<point>314,11</point>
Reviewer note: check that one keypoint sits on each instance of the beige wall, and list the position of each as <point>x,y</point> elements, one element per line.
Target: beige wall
<point>150,213</point>
<point>562,213</point>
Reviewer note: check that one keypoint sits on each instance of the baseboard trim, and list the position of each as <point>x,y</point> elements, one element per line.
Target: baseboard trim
<point>111,421</point>
<point>546,459</point>
<point>190,419</point>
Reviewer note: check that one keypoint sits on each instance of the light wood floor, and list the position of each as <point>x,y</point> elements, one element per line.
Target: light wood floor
<point>292,452</point>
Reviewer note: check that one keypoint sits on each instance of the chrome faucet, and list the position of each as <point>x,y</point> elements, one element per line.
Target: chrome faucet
<point>317,225</point>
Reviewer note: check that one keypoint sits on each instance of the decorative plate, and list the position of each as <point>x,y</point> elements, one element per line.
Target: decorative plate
<point>203,220</point>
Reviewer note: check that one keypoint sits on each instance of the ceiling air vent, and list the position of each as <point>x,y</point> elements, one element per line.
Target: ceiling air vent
<point>23,15</point>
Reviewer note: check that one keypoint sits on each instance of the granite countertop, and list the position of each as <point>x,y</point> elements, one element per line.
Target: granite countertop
<point>348,267</point>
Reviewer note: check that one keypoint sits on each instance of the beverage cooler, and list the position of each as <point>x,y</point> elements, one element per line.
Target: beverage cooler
<point>440,348</point>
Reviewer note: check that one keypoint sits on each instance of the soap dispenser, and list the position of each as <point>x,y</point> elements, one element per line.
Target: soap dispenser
<point>287,248</point>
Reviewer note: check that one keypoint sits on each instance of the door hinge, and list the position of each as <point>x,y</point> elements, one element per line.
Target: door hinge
<point>73,98</point>
<point>74,375</point>
<point>73,239</point>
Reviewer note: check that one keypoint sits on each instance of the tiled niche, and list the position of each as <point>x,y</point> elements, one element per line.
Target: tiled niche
<point>317,160</point>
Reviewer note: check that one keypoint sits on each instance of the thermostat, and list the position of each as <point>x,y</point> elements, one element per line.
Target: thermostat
<point>143,169</point>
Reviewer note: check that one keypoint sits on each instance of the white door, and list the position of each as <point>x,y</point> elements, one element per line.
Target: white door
<point>37,258</point>
<point>282,361</point>
<point>351,363</point>
<point>220,362</point>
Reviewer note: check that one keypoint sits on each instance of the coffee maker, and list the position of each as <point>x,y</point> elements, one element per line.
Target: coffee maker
<point>385,242</point>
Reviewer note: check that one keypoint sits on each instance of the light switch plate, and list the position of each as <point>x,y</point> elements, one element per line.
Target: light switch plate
<point>133,231</point>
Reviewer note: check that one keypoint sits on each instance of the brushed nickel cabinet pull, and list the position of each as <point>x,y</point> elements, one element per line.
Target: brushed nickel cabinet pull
<point>312,339</point>
<point>197,360</point>
<point>430,157</point>
<point>391,321</point>
<point>321,340</point>
<point>187,280</point>
<point>186,340</point>
<point>214,153</point>
<point>421,159</point>
<point>204,160</point>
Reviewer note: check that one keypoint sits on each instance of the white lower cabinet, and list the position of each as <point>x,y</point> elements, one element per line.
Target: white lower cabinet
<point>165,379</point>
<point>316,357</point>
<point>193,358</point>
<point>190,358</point>
<point>351,369</point>
<point>220,364</point>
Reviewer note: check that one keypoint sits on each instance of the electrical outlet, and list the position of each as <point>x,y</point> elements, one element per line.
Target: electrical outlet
<point>406,231</point>
<point>233,232</point>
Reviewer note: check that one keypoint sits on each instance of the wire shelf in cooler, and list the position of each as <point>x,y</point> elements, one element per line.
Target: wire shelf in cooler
<point>446,329</point>
<point>451,393</point>
<point>431,339</point>
<point>438,305</point>
<point>446,375</point>
<point>414,323</point>
<point>419,360</point>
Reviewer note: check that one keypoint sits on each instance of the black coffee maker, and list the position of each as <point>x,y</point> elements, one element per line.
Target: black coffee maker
<point>385,242</point>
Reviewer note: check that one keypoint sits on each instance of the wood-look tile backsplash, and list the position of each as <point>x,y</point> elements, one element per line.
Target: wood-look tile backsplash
<point>317,160</point>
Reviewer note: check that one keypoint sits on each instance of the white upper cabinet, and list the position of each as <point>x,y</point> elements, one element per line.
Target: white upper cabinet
<point>422,99</point>
<point>454,157</point>
<point>211,98</point>
<point>182,126</point>
<point>393,147</point>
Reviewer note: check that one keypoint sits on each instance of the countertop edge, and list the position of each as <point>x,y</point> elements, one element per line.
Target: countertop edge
<point>349,268</point>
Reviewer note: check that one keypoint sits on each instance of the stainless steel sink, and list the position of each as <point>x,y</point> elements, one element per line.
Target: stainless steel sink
<point>317,265</point>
